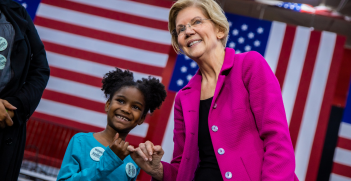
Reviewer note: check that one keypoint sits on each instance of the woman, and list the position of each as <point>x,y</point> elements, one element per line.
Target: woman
<point>229,120</point>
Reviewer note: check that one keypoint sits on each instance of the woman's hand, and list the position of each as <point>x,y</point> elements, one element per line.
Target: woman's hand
<point>148,157</point>
<point>6,113</point>
<point>119,147</point>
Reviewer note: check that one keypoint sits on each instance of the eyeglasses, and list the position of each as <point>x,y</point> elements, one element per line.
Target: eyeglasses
<point>181,29</point>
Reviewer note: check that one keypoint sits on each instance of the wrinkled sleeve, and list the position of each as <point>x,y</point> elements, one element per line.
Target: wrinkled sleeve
<point>71,169</point>
<point>170,170</point>
<point>27,98</point>
<point>268,109</point>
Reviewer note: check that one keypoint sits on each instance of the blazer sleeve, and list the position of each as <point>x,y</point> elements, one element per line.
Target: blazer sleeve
<point>27,99</point>
<point>268,110</point>
<point>170,170</point>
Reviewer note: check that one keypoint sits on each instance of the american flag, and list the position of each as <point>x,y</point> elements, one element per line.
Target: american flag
<point>342,155</point>
<point>86,38</point>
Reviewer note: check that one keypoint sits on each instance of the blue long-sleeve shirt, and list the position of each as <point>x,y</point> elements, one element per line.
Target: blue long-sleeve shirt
<point>82,162</point>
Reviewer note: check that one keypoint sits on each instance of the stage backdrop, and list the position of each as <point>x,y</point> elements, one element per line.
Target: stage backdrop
<point>85,39</point>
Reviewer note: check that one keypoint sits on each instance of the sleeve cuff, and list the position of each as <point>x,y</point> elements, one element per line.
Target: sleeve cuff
<point>110,160</point>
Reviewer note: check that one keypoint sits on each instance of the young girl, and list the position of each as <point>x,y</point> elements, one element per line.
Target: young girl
<point>104,155</point>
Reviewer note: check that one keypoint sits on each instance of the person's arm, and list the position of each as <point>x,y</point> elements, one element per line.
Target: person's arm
<point>27,98</point>
<point>156,168</point>
<point>268,109</point>
<point>109,161</point>
<point>170,171</point>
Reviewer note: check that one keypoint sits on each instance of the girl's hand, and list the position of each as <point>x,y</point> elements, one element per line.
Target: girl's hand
<point>148,157</point>
<point>119,147</point>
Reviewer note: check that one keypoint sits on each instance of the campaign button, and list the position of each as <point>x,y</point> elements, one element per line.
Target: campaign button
<point>3,43</point>
<point>131,170</point>
<point>96,153</point>
<point>2,62</point>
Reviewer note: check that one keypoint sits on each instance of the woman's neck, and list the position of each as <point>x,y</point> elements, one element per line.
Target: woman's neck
<point>211,64</point>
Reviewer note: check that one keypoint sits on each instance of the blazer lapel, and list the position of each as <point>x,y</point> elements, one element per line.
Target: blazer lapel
<point>227,65</point>
<point>191,105</point>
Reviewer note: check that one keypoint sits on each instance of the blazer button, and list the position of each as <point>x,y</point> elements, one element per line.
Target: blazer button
<point>221,151</point>
<point>228,175</point>
<point>8,141</point>
<point>214,128</point>
<point>215,106</point>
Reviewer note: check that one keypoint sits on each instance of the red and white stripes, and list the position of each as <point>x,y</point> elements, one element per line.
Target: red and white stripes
<point>84,40</point>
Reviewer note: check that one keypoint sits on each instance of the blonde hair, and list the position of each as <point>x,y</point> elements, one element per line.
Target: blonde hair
<point>209,7</point>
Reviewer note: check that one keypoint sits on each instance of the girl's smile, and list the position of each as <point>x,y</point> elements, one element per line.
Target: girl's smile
<point>125,109</point>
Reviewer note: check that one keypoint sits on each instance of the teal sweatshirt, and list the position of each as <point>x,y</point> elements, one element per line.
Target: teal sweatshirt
<point>87,159</point>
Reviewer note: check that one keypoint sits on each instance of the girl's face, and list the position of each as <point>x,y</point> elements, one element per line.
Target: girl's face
<point>125,109</point>
<point>199,39</point>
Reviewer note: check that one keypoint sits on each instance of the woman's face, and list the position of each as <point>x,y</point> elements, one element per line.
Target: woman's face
<point>199,40</point>
<point>125,109</point>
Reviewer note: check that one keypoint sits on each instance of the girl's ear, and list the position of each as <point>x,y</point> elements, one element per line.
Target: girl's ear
<point>141,121</point>
<point>107,105</point>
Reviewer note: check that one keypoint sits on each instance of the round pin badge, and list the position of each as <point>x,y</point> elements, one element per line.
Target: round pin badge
<point>131,170</point>
<point>2,62</point>
<point>3,43</point>
<point>96,153</point>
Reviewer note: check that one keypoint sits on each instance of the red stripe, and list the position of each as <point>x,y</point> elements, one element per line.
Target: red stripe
<point>78,102</point>
<point>103,59</point>
<point>160,3</point>
<point>302,92</point>
<point>133,140</point>
<point>101,35</point>
<point>344,143</point>
<point>341,170</point>
<point>119,16</point>
<point>74,76</point>
<point>317,146</point>
<point>74,101</point>
<point>285,54</point>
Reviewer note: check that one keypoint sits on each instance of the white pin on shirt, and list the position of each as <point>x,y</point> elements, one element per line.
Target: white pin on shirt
<point>3,43</point>
<point>130,170</point>
<point>2,62</point>
<point>96,153</point>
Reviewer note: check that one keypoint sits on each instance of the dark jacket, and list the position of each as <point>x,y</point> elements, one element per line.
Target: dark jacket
<point>30,75</point>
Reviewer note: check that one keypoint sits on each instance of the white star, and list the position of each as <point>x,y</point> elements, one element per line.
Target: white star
<point>241,40</point>
<point>286,6</point>
<point>257,43</point>
<point>244,27</point>
<point>230,24</point>
<point>231,44</point>
<point>183,69</point>
<point>251,35</point>
<point>298,7</point>
<point>247,48</point>
<point>235,32</point>
<point>180,82</point>
<point>259,30</point>
<point>292,6</point>
<point>238,51</point>
<point>24,5</point>
<point>189,77</point>
<point>193,64</point>
<point>186,57</point>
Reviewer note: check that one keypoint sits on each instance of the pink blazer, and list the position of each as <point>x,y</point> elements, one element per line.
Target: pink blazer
<point>247,124</point>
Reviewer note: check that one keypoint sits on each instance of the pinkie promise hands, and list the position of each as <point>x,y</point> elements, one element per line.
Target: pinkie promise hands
<point>148,157</point>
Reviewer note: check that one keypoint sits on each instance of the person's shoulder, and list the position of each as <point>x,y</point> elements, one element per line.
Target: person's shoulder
<point>80,136</point>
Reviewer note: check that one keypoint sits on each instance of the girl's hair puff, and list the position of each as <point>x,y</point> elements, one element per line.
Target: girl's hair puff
<point>152,89</point>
